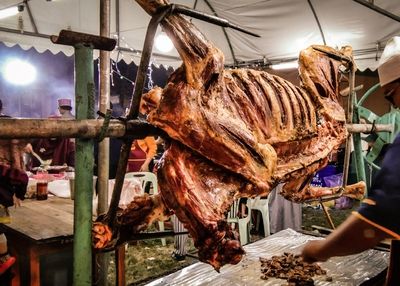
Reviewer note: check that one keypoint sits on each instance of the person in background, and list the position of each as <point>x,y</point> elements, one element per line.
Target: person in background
<point>13,184</point>
<point>180,241</point>
<point>283,214</point>
<point>57,151</point>
<point>61,151</point>
<point>142,152</point>
<point>378,217</point>
<point>65,108</point>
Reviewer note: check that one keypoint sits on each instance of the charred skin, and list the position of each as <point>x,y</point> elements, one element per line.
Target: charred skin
<point>240,132</point>
<point>138,216</point>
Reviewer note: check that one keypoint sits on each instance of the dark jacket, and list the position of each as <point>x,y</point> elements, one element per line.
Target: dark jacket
<point>12,181</point>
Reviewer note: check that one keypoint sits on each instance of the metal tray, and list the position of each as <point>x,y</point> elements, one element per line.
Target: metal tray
<point>345,271</point>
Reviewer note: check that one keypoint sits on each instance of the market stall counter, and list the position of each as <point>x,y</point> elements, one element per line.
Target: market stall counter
<point>40,235</point>
<point>351,270</point>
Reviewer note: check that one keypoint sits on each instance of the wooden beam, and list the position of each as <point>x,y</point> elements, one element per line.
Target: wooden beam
<point>369,128</point>
<point>12,128</point>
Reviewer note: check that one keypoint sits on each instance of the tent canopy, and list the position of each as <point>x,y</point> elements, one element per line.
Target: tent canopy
<point>285,27</point>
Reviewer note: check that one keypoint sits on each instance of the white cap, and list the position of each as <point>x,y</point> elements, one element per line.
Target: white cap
<point>389,64</point>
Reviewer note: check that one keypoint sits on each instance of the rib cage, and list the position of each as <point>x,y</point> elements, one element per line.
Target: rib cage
<point>282,111</point>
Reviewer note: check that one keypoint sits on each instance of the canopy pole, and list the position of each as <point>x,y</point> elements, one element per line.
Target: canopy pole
<point>84,98</point>
<point>318,22</point>
<point>102,259</point>
<point>378,9</point>
<point>349,120</point>
<point>104,104</point>
<point>358,158</point>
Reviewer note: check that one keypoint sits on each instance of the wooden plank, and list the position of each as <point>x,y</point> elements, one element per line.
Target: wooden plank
<point>41,220</point>
<point>64,204</point>
<point>34,266</point>
<point>120,265</point>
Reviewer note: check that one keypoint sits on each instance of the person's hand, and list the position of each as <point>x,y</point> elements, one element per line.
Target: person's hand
<point>312,251</point>
<point>144,168</point>
<point>28,148</point>
<point>17,202</point>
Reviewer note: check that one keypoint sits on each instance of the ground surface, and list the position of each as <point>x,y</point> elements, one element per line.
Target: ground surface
<point>148,259</point>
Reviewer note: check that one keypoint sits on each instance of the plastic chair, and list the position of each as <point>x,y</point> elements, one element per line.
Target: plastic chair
<point>144,178</point>
<point>261,205</point>
<point>243,223</point>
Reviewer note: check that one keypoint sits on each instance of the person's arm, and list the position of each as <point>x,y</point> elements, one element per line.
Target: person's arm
<point>16,154</point>
<point>353,236</point>
<point>151,152</point>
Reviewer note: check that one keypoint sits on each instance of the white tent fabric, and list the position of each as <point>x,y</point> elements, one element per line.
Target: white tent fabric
<point>285,27</point>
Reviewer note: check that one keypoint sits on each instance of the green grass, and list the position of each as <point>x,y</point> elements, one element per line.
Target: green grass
<point>148,260</point>
<point>312,216</point>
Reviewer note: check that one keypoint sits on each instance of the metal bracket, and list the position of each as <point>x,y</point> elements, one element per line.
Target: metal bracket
<point>71,38</point>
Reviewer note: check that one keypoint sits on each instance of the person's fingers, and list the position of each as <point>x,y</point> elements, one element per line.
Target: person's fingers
<point>28,148</point>
<point>144,168</point>
<point>17,202</point>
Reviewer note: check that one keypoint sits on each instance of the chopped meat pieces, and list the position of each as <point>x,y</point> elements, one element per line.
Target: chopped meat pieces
<point>290,267</point>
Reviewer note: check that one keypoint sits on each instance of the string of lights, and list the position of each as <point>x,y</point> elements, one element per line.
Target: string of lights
<point>124,48</point>
<point>133,52</point>
<point>114,69</point>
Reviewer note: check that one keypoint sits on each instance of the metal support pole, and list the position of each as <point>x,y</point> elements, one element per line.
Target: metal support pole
<point>102,259</point>
<point>84,95</point>
<point>378,9</point>
<point>133,113</point>
<point>359,161</point>
<point>349,119</point>
<point>104,104</point>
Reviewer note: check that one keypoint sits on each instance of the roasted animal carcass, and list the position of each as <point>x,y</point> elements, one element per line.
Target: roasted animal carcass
<point>235,133</point>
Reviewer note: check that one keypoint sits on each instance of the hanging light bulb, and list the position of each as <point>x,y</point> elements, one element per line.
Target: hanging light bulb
<point>8,12</point>
<point>163,43</point>
<point>19,72</point>
<point>285,65</point>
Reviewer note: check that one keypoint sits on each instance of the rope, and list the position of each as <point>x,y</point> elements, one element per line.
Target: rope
<point>104,127</point>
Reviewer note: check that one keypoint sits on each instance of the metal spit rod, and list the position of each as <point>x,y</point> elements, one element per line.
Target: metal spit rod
<point>175,8</point>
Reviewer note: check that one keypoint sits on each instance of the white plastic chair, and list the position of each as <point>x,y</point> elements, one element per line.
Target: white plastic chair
<point>261,205</point>
<point>144,178</point>
<point>243,223</point>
